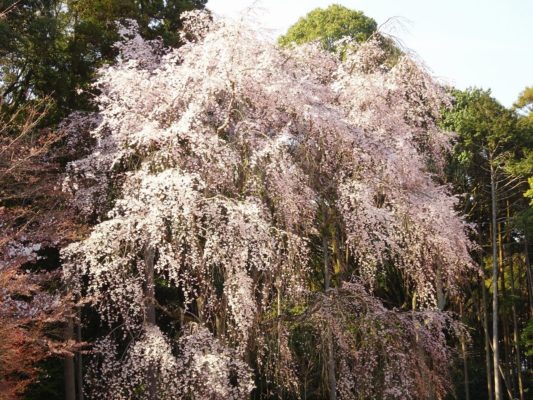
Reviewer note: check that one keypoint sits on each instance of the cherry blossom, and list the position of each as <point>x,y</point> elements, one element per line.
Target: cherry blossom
<point>240,167</point>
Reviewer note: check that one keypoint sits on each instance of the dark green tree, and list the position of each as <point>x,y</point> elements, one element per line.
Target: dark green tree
<point>337,22</point>
<point>484,169</point>
<point>52,48</point>
<point>329,25</point>
<point>525,102</point>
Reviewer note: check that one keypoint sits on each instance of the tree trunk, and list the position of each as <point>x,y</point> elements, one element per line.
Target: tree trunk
<point>515,333</point>
<point>441,297</point>
<point>507,363</point>
<point>149,314</point>
<point>332,383</point>
<point>495,344</point>
<point>327,272</point>
<point>79,359</point>
<point>529,276</point>
<point>278,314</point>
<point>465,359</point>
<point>516,345</point>
<point>488,366</point>
<point>507,384</point>
<point>68,363</point>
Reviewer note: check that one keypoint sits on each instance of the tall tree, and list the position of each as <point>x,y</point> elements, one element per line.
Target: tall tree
<point>254,197</point>
<point>483,167</point>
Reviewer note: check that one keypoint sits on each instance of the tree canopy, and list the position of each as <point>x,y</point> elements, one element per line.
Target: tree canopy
<point>329,25</point>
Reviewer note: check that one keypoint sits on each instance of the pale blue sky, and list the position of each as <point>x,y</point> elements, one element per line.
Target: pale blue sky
<point>483,43</point>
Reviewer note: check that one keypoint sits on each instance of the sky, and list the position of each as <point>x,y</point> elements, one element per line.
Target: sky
<point>481,43</point>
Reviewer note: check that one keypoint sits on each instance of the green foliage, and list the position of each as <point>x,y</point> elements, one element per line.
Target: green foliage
<point>527,338</point>
<point>483,124</point>
<point>329,25</point>
<point>490,135</point>
<point>52,48</point>
<point>32,53</point>
<point>525,101</point>
<point>524,166</point>
<point>529,193</point>
<point>156,18</point>
<point>487,133</point>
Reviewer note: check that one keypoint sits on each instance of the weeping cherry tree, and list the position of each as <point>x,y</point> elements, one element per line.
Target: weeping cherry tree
<point>272,191</point>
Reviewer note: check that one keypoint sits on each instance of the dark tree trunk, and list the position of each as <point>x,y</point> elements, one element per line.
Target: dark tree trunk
<point>516,336</point>
<point>465,360</point>
<point>332,383</point>
<point>529,275</point>
<point>79,359</point>
<point>488,365</point>
<point>495,343</point>
<point>149,317</point>
<point>68,363</point>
